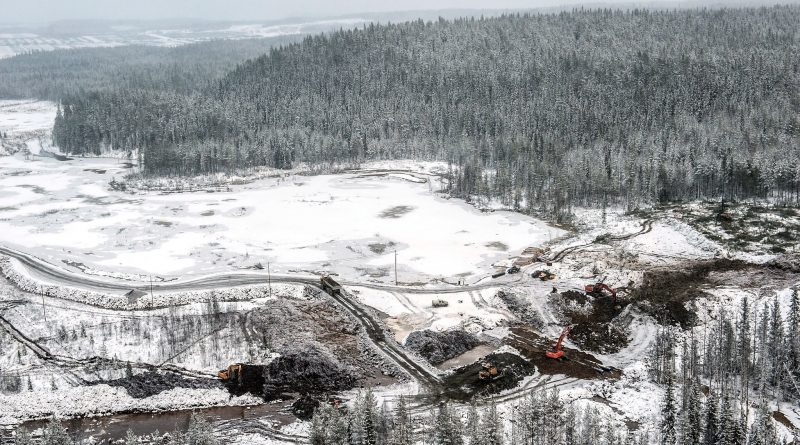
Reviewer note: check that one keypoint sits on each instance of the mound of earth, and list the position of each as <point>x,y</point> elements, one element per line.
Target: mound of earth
<point>151,383</point>
<point>306,370</point>
<point>789,263</point>
<point>521,308</point>
<point>465,382</point>
<point>438,347</point>
<point>604,338</point>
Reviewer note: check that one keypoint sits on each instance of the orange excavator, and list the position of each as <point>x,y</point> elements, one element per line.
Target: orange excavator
<point>557,352</point>
<point>597,290</point>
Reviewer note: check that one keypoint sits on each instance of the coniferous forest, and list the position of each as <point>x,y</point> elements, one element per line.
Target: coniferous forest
<point>542,112</point>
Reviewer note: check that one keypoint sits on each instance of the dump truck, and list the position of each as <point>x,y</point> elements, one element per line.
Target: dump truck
<point>330,285</point>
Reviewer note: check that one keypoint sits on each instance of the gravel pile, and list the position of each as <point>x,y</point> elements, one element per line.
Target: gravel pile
<point>438,347</point>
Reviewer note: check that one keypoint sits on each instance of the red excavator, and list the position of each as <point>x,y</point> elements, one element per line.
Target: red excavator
<point>597,290</point>
<point>557,352</point>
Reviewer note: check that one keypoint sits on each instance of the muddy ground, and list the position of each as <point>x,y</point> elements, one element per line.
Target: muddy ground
<point>465,383</point>
<point>575,363</point>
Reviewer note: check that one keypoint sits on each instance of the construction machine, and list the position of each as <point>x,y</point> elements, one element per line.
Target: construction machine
<point>330,285</point>
<point>241,378</point>
<point>544,275</point>
<point>598,288</point>
<point>231,373</point>
<point>557,352</point>
<point>488,371</point>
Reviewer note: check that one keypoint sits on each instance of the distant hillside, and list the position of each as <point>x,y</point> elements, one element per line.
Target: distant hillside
<point>539,111</point>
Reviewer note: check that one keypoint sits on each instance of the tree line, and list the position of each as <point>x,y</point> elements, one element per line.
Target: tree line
<point>541,112</point>
<point>52,75</point>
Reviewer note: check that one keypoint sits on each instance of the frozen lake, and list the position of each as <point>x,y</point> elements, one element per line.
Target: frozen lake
<point>350,224</point>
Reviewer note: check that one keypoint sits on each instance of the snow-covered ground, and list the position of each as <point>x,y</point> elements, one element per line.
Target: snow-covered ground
<point>23,40</point>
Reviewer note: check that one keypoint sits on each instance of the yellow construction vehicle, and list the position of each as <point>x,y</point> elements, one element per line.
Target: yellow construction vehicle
<point>488,372</point>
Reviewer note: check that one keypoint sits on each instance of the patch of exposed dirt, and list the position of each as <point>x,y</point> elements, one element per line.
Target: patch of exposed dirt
<point>665,294</point>
<point>575,363</point>
<point>306,370</point>
<point>497,245</point>
<point>592,320</point>
<point>320,327</point>
<point>781,417</point>
<point>605,338</point>
<point>396,212</point>
<point>149,384</point>
<point>465,382</point>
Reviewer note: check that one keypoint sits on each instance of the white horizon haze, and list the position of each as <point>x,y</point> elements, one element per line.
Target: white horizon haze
<point>42,11</point>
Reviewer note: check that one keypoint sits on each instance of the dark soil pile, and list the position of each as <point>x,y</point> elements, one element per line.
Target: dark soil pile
<point>438,347</point>
<point>664,294</point>
<point>594,330</point>
<point>788,263</point>
<point>465,383</point>
<point>604,338</point>
<point>575,296</point>
<point>304,407</point>
<point>151,383</point>
<point>521,308</point>
<point>306,370</point>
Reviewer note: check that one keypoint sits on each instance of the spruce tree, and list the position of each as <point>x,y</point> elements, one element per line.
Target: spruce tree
<point>491,427</point>
<point>669,411</point>
<point>473,427</point>
<point>55,434</point>
<point>401,434</point>
<point>21,437</point>
<point>711,430</point>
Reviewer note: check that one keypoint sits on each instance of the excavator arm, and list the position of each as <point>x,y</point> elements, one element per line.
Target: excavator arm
<point>557,352</point>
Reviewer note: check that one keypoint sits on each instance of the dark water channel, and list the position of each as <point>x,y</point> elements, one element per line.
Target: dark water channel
<point>108,429</point>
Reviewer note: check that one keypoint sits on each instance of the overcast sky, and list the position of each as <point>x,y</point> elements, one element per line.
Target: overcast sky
<point>51,10</point>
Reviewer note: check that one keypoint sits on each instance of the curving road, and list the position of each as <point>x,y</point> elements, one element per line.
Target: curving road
<point>393,351</point>
<point>57,275</point>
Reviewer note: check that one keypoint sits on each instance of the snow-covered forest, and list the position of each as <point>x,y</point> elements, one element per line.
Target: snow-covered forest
<point>540,111</point>
<point>51,75</point>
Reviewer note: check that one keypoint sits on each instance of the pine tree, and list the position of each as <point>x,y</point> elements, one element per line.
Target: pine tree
<point>570,426</point>
<point>369,416</point>
<point>401,434</point>
<point>448,427</point>
<point>55,434</point>
<point>491,426</point>
<point>132,439</point>
<point>711,430</point>
<point>669,434</point>
<point>21,437</point>
<point>692,431</point>
<point>200,432</point>
<point>793,345</point>
<point>473,427</point>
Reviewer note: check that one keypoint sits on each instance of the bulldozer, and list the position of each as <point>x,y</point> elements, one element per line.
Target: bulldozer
<point>488,371</point>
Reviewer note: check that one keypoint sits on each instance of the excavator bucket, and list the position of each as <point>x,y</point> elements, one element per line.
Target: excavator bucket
<point>555,354</point>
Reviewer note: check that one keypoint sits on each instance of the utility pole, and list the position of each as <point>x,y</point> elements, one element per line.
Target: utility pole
<point>395,267</point>
<point>269,279</point>
<point>152,302</point>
